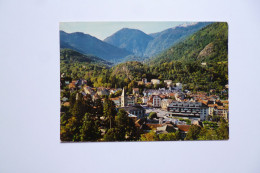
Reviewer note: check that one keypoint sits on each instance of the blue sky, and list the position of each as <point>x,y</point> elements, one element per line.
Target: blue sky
<point>101,30</point>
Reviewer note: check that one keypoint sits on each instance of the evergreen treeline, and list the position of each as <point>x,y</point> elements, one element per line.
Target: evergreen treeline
<point>82,121</point>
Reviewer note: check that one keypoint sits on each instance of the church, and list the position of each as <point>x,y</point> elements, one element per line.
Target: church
<point>127,100</point>
<point>128,104</point>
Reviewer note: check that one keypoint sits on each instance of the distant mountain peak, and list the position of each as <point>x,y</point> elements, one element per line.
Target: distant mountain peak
<point>132,40</point>
<point>87,44</point>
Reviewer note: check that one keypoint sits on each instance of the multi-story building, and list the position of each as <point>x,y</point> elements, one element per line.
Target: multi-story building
<point>189,109</point>
<point>156,101</point>
<point>221,111</point>
<point>165,103</point>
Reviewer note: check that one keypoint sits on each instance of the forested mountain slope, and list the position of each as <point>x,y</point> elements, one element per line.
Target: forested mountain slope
<point>210,44</point>
<point>167,38</point>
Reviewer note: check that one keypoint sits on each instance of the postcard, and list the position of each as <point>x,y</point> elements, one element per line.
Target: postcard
<point>143,81</point>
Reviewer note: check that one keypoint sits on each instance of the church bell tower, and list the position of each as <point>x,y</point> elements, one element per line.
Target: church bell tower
<point>123,99</point>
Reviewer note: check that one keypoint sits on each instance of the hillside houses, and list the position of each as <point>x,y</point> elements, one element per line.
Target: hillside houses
<point>198,105</point>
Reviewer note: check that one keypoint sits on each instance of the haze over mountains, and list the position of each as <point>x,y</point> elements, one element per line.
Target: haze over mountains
<point>128,43</point>
<point>87,44</point>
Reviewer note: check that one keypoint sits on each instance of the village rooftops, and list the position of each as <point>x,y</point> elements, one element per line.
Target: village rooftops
<point>185,104</point>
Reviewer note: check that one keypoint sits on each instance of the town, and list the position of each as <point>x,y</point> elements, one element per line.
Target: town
<point>158,111</point>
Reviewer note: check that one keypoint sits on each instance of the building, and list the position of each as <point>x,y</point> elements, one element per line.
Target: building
<point>135,91</point>
<point>166,128</point>
<point>189,109</point>
<point>130,100</point>
<point>183,129</point>
<point>144,100</point>
<point>144,80</point>
<point>204,64</point>
<point>154,101</point>
<point>221,111</point>
<point>102,91</point>
<point>117,101</point>
<point>127,100</point>
<point>136,110</point>
<point>168,82</point>
<point>72,85</point>
<point>95,97</point>
<point>163,91</point>
<point>179,96</point>
<point>155,81</point>
<point>88,90</point>
<point>64,99</point>
<point>179,86</point>
<point>123,99</point>
<point>165,103</point>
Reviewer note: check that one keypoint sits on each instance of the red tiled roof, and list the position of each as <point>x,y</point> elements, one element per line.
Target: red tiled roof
<point>171,94</point>
<point>184,128</point>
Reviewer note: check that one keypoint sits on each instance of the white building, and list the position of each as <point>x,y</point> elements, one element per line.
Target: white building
<point>165,103</point>
<point>155,81</point>
<point>156,101</point>
<point>179,86</point>
<point>189,109</point>
<point>168,82</point>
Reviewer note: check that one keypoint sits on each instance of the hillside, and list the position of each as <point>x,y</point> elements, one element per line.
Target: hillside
<point>167,38</point>
<point>132,40</point>
<point>210,44</point>
<point>71,56</point>
<point>86,44</point>
<point>131,70</point>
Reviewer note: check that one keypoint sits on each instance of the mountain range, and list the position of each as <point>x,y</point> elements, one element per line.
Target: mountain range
<point>87,44</point>
<point>128,43</point>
